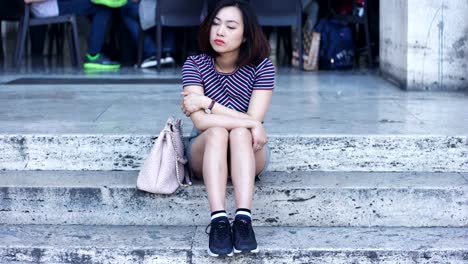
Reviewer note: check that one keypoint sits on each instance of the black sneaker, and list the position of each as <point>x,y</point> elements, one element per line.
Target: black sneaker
<point>220,244</point>
<point>243,235</point>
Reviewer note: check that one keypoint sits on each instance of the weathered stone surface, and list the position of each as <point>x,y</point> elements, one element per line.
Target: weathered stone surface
<point>329,103</point>
<point>370,153</point>
<point>289,153</point>
<point>156,244</point>
<point>349,245</point>
<point>290,199</point>
<point>424,46</point>
<point>95,244</point>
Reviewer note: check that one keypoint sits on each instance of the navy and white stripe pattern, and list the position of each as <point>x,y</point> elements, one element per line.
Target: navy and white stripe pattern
<point>232,90</point>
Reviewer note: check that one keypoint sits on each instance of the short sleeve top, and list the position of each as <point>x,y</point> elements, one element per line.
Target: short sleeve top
<point>233,89</point>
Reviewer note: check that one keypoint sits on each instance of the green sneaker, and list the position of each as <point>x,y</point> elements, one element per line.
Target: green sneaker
<point>100,62</point>
<point>110,3</point>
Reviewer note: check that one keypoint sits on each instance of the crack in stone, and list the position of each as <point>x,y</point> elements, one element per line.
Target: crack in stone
<point>296,200</point>
<point>464,176</point>
<point>105,110</point>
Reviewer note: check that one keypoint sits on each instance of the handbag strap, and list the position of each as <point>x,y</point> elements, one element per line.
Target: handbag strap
<point>177,158</point>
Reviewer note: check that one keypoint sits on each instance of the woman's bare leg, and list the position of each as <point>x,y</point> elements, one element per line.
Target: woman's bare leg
<point>245,164</point>
<point>208,158</point>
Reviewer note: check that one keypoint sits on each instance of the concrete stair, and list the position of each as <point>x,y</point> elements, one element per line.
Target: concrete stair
<point>361,172</point>
<point>187,244</point>
<point>327,199</point>
<point>289,152</point>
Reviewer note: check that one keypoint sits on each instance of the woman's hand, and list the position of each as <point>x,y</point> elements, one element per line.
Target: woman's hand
<point>193,102</point>
<point>258,137</point>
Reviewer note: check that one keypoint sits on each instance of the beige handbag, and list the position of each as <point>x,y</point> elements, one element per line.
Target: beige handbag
<point>163,171</point>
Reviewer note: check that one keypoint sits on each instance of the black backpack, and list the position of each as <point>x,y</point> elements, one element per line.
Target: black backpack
<point>336,45</point>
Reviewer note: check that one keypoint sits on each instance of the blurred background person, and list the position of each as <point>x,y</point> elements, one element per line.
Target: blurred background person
<point>100,17</point>
<point>131,16</point>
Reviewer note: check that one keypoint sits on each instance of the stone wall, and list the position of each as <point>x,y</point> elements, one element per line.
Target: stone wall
<point>393,39</point>
<point>424,44</point>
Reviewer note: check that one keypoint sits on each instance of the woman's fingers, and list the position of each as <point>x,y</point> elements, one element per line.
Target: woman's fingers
<point>185,110</point>
<point>257,145</point>
<point>186,105</point>
<point>257,148</point>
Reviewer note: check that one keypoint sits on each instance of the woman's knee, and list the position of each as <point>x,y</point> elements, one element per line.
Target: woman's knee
<point>217,135</point>
<point>240,134</point>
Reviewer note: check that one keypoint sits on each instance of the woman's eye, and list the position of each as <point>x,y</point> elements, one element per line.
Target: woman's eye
<point>215,23</point>
<point>231,27</point>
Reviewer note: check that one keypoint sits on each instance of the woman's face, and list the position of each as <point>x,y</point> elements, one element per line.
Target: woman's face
<point>227,30</point>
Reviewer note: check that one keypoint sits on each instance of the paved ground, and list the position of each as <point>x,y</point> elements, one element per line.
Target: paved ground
<point>303,103</point>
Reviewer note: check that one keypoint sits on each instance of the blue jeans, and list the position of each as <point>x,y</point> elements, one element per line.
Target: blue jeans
<point>131,19</point>
<point>101,16</point>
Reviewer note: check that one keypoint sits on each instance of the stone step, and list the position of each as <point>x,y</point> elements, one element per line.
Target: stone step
<point>176,244</point>
<point>410,199</point>
<point>289,152</point>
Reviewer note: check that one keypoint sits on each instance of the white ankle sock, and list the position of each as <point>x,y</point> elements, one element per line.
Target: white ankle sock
<point>218,214</point>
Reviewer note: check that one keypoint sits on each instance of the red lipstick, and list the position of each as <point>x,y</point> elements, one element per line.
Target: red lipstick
<point>218,42</point>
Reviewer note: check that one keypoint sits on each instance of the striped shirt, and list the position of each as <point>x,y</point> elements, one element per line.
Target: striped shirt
<point>233,89</point>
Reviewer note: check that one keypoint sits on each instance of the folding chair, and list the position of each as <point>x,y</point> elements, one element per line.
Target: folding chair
<point>9,11</point>
<point>28,21</point>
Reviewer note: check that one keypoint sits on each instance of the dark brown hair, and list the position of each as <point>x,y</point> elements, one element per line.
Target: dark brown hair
<point>253,50</point>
